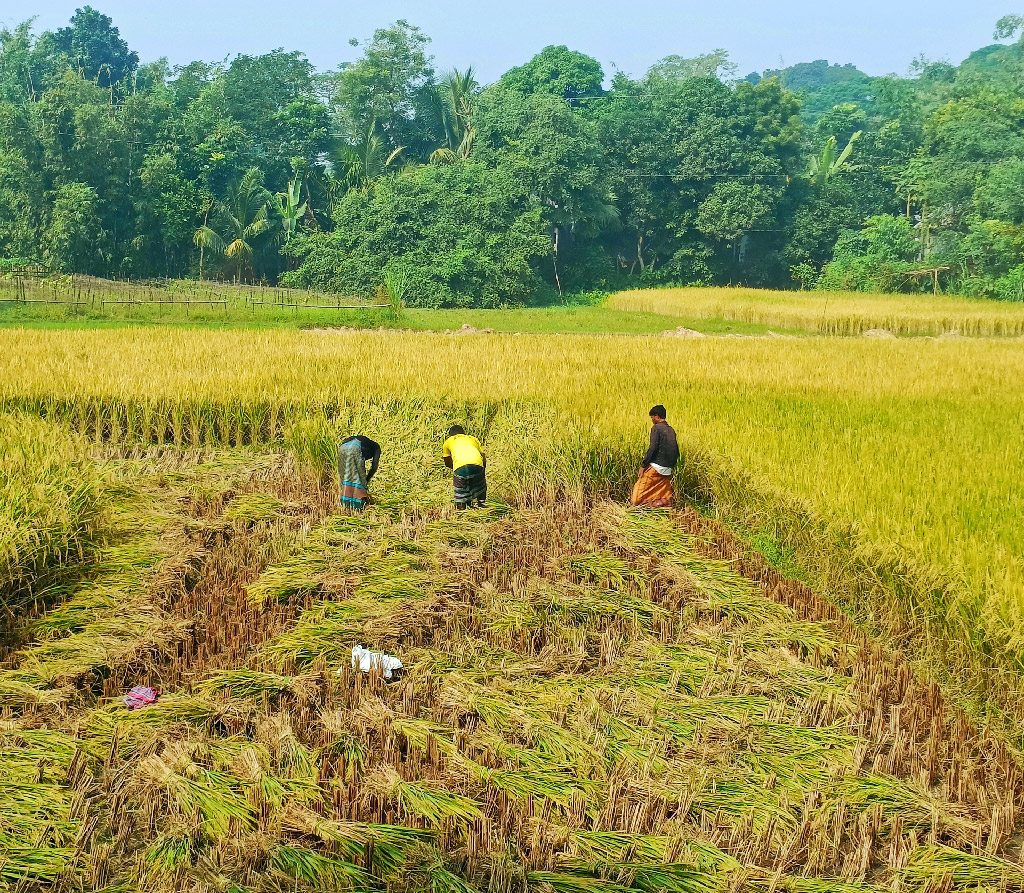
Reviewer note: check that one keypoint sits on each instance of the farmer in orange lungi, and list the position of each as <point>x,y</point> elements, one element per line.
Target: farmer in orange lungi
<point>653,488</point>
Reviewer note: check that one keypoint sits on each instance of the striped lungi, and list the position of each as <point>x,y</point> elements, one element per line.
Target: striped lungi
<point>470,482</point>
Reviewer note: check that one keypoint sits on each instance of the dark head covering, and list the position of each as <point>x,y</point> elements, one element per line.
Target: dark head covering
<point>659,411</point>
<point>456,429</point>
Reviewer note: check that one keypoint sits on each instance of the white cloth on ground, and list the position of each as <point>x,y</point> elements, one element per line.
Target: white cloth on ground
<point>365,660</point>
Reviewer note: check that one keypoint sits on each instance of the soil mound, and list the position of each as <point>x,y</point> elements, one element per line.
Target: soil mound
<point>683,332</point>
<point>467,329</point>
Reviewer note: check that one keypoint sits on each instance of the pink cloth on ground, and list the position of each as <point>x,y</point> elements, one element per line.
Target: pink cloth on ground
<point>141,696</point>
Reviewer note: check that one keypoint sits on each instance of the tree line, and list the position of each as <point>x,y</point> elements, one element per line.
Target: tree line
<point>553,180</point>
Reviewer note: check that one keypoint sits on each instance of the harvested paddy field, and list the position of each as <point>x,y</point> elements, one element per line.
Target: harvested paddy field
<point>592,700</point>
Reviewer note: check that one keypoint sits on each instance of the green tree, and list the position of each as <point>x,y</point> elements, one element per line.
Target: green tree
<point>71,242</point>
<point>701,172</point>
<point>93,45</point>
<point>168,206</point>
<point>558,71</point>
<point>452,110</point>
<point>715,64</point>
<point>360,165</point>
<point>20,206</point>
<point>386,88</point>
<point>1008,27</point>
<point>273,99</point>
<point>556,153</point>
<point>17,81</point>
<point>875,258</point>
<point>240,227</point>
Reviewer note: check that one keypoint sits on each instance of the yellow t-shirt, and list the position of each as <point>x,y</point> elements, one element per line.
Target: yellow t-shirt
<point>463,450</point>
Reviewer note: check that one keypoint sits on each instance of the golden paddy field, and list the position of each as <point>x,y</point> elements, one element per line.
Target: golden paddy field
<point>908,448</point>
<point>805,681</point>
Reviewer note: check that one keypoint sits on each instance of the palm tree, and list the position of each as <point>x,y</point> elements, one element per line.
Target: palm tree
<point>453,113</point>
<point>240,224</point>
<point>825,166</point>
<point>360,166</point>
<point>291,207</point>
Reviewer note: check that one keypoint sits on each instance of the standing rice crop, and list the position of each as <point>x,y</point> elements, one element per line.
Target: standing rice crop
<point>832,313</point>
<point>49,500</point>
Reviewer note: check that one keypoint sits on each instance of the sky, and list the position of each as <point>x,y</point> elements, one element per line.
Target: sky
<point>879,36</point>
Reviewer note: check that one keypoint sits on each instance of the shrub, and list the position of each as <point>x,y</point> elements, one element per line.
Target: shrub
<point>1011,286</point>
<point>459,235</point>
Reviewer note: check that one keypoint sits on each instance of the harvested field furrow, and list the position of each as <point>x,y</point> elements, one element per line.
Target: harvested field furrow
<point>592,699</point>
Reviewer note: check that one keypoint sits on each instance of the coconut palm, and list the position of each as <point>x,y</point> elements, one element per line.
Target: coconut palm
<point>361,165</point>
<point>240,226</point>
<point>453,113</point>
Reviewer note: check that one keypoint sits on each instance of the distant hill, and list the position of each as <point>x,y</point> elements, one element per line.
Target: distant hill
<point>997,62</point>
<point>821,85</point>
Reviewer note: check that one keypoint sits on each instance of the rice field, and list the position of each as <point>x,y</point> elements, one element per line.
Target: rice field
<point>592,700</point>
<point>894,464</point>
<point>833,313</point>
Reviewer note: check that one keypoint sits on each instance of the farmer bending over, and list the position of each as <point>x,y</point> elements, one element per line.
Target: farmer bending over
<point>464,456</point>
<point>653,488</point>
<point>353,454</point>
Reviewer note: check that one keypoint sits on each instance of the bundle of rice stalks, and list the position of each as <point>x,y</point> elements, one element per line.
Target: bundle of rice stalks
<point>30,864</point>
<point>387,846</point>
<point>434,805</point>
<point>267,791</point>
<point>169,712</point>
<point>941,867</point>
<point>250,508</point>
<point>916,807</point>
<point>243,683</point>
<point>651,532</point>
<point>205,794</point>
<point>22,691</point>
<point>170,855</point>
<point>79,610</point>
<point>326,631</point>
<point>607,570</point>
<point>427,869</point>
<point>333,553</point>
<point>302,866</point>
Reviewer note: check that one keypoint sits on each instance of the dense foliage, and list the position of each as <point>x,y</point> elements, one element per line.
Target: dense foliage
<point>550,180</point>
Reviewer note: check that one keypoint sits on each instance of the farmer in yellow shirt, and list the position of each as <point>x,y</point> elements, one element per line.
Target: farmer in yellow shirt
<point>465,457</point>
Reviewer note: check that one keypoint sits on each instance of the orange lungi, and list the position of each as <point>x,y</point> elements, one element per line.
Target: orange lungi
<point>652,490</point>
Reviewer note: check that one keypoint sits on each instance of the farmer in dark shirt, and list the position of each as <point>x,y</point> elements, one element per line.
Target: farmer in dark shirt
<point>653,488</point>
<point>353,454</point>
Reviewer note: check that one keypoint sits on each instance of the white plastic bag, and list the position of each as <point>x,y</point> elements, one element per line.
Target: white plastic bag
<point>365,660</point>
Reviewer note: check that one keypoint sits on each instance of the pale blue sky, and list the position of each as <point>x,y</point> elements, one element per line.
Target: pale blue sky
<point>880,36</point>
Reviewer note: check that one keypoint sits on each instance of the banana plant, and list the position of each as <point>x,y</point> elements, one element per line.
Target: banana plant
<point>825,166</point>
<point>291,207</point>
